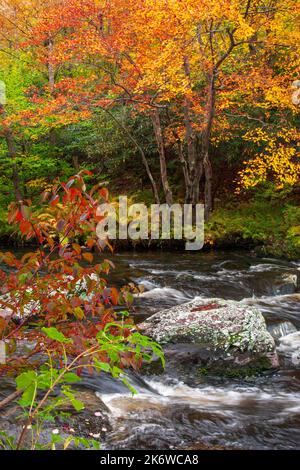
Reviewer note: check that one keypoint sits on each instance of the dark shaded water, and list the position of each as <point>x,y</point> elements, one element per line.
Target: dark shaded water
<point>260,413</point>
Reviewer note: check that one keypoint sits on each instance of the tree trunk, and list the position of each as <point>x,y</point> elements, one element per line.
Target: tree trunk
<point>144,158</point>
<point>194,165</point>
<point>162,156</point>
<point>51,81</point>
<point>152,181</point>
<point>76,162</point>
<point>208,171</point>
<point>12,153</point>
<point>208,195</point>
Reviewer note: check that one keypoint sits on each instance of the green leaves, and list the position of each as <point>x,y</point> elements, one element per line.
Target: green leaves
<point>89,444</point>
<point>27,381</point>
<point>77,404</point>
<point>70,377</point>
<point>102,366</point>
<point>31,382</point>
<point>56,335</point>
<point>147,344</point>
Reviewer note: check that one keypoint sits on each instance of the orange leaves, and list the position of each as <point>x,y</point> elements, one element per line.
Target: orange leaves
<point>114,294</point>
<point>76,248</point>
<point>90,243</point>
<point>88,257</point>
<point>158,53</point>
<point>103,192</point>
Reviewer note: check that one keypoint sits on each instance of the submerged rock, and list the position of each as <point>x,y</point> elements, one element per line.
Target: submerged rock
<point>219,336</point>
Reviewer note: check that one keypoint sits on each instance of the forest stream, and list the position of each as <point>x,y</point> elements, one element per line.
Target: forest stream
<point>173,413</point>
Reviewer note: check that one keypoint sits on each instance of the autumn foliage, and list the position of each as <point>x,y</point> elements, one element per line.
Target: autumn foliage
<point>61,285</point>
<point>203,73</point>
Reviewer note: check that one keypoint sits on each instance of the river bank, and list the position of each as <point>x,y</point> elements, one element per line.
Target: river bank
<point>269,228</point>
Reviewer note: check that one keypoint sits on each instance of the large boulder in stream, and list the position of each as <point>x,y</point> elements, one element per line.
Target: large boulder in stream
<point>219,337</point>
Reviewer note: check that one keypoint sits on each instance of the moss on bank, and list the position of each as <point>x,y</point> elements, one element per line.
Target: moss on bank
<point>272,227</point>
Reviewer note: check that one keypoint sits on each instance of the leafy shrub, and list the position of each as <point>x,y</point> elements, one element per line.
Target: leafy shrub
<point>57,299</point>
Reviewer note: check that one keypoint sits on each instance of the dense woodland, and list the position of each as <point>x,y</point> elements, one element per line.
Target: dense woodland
<point>162,100</point>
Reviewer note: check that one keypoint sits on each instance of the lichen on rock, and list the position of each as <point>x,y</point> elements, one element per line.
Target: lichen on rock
<point>220,323</point>
<point>227,331</point>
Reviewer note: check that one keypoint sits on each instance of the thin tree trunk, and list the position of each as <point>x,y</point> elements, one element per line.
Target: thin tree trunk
<point>144,158</point>
<point>208,171</point>
<point>162,156</point>
<point>76,162</point>
<point>194,164</point>
<point>208,195</point>
<point>51,81</point>
<point>12,153</point>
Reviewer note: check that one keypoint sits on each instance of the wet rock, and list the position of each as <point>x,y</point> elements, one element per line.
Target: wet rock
<point>289,349</point>
<point>216,336</point>
<point>215,322</point>
<point>286,284</point>
<point>93,422</point>
<point>203,446</point>
<point>281,329</point>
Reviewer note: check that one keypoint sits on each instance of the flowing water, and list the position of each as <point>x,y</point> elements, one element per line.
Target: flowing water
<point>256,413</point>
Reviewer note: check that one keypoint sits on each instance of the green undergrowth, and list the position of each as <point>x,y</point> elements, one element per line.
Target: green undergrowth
<point>272,227</point>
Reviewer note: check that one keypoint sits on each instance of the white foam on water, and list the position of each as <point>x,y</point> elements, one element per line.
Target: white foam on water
<point>261,267</point>
<point>272,299</point>
<point>149,285</point>
<point>164,292</point>
<point>290,344</point>
<point>282,329</point>
<point>220,400</point>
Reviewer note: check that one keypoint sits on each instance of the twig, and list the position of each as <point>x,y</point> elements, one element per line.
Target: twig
<point>10,398</point>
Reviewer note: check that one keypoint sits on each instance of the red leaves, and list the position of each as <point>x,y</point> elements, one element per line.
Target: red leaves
<point>54,200</point>
<point>3,324</point>
<point>19,216</point>
<point>54,283</point>
<point>45,283</point>
<point>25,227</point>
<point>103,192</point>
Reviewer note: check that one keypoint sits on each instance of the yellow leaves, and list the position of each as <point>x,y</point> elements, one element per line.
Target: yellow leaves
<point>39,184</point>
<point>257,136</point>
<point>279,162</point>
<point>78,313</point>
<point>278,96</point>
